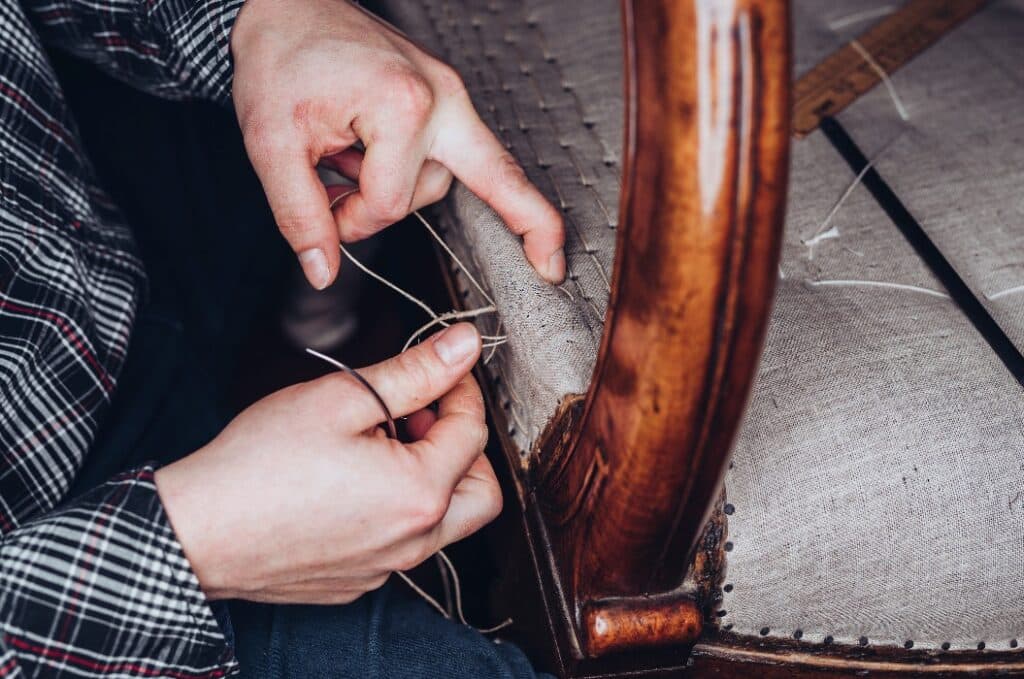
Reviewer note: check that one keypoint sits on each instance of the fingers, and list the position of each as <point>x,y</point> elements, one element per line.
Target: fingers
<point>299,203</point>
<point>476,502</point>
<point>451,446</point>
<point>415,378</point>
<point>435,180</point>
<point>339,192</point>
<point>475,156</point>
<point>387,179</point>
<point>345,163</point>
<point>432,184</point>
<point>419,423</point>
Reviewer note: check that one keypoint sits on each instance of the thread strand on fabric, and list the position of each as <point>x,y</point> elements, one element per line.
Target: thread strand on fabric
<point>491,342</point>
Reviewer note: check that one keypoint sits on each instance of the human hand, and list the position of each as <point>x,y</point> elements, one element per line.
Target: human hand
<point>303,499</point>
<point>312,77</point>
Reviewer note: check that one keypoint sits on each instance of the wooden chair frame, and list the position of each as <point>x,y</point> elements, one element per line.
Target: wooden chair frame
<point>623,545</point>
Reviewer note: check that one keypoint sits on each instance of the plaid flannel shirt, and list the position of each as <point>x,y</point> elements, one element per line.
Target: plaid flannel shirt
<point>99,587</point>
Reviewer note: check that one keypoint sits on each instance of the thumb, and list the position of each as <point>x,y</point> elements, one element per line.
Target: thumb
<point>418,376</point>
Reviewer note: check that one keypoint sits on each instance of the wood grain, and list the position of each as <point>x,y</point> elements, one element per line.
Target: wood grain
<point>704,187</point>
<point>844,75</point>
<point>732,657</point>
<point>621,481</point>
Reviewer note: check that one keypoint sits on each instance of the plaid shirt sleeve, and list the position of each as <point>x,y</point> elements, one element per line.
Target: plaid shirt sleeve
<point>103,588</point>
<point>171,48</point>
<point>99,587</point>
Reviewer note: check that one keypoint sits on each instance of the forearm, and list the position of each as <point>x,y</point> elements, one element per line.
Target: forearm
<point>171,48</point>
<point>102,587</point>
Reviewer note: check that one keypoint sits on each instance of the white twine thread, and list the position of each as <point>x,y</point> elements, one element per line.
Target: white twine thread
<point>491,342</point>
<point>877,67</point>
<point>824,232</point>
<point>858,17</point>
<point>445,565</point>
<point>458,596</point>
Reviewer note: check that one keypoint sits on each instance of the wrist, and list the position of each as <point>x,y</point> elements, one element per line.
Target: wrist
<point>181,495</point>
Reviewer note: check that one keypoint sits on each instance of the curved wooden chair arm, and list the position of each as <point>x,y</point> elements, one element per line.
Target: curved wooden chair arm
<point>626,477</point>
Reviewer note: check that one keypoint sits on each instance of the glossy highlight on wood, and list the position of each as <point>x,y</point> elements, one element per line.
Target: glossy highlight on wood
<point>614,624</point>
<point>701,215</point>
<point>617,490</point>
<point>603,577</point>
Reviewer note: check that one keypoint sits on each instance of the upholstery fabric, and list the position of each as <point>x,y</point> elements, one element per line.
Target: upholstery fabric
<point>964,188</point>
<point>877,487</point>
<point>878,480</point>
<point>547,78</point>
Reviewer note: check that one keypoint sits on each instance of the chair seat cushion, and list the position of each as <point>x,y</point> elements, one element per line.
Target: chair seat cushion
<point>877,488</point>
<point>878,480</point>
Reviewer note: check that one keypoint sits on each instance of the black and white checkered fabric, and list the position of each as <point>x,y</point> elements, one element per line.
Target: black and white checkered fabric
<point>100,587</point>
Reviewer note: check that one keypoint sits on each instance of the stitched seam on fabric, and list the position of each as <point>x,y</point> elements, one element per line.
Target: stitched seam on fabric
<point>474,65</point>
<point>516,403</point>
<point>557,188</point>
<point>565,147</point>
<point>493,109</point>
<point>504,387</point>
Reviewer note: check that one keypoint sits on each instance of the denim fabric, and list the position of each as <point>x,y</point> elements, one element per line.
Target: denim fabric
<point>382,635</point>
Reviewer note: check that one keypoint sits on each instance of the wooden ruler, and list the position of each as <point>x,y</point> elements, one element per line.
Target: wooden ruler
<point>846,74</point>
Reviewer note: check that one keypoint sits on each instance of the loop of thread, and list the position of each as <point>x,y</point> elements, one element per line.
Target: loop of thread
<point>445,565</point>
<point>491,342</point>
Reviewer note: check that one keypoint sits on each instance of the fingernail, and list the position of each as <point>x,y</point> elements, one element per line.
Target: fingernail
<point>556,266</point>
<point>457,343</point>
<point>314,265</point>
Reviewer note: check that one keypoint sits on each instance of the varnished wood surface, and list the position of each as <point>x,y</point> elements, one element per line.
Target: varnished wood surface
<point>634,622</point>
<point>621,481</point>
<point>704,187</point>
<point>844,75</point>
<point>740,657</point>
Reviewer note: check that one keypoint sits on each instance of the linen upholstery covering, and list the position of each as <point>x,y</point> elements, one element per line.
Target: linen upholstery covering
<point>547,78</point>
<point>878,478</point>
<point>877,487</point>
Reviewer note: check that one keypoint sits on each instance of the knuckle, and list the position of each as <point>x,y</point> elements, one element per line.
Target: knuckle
<point>478,433</point>
<point>388,207</point>
<point>416,373</point>
<point>508,172</point>
<point>411,96</point>
<point>304,113</point>
<point>493,502</point>
<point>296,227</point>
<point>475,397</point>
<point>426,509</point>
<point>448,81</point>
<point>440,188</point>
